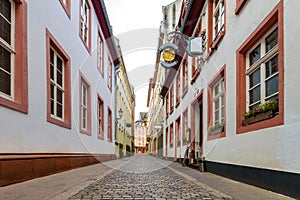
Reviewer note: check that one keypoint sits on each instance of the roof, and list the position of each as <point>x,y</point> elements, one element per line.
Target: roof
<point>103,19</point>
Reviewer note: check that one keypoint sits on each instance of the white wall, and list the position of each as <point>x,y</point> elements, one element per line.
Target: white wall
<point>32,133</point>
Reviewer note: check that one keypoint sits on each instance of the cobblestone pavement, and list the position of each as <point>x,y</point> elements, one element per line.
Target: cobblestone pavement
<point>143,177</point>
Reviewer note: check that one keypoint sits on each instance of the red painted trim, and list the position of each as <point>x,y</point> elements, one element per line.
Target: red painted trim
<point>51,41</point>
<point>214,42</point>
<point>275,16</point>
<point>184,76</point>
<point>110,77</point>
<point>84,80</point>
<point>101,68</point>
<point>20,102</point>
<point>87,46</point>
<point>216,78</point>
<point>66,7</point>
<point>99,99</point>
<point>171,136</point>
<point>239,6</point>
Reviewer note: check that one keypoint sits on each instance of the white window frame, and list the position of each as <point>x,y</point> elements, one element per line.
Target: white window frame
<point>11,49</point>
<point>84,21</point>
<point>84,107</point>
<point>56,85</point>
<point>218,17</point>
<point>260,64</point>
<point>218,97</point>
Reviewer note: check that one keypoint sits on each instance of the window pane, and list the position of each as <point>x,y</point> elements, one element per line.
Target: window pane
<point>52,107</point>
<point>5,9</point>
<point>5,59</point>
<point>254,78</point>
<point>5,82</point>
<point>5,30</point>
<point>217,104</point>
<point>254,55</point>
<point>254,95</point>
<point>59,78</point>
<point>272,40</point>
<point>59,110</point>
<point>59,96</point>
<point>272,86</point>
<point>272,66</point>
<point>52,91</point>
<point>217,114</point>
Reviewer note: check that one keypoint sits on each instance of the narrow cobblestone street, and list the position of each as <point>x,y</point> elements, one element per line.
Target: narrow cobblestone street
<point>145,177</point>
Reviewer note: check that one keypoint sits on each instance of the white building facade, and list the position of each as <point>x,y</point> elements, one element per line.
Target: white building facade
<point>57,84</point>
<point>214,102</point>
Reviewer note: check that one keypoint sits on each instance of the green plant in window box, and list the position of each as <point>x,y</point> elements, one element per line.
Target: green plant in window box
<point>217,128</point>
<point>263,108</point>
<point>265,111</point>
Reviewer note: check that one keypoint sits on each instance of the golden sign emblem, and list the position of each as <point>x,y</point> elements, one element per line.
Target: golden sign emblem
<point>168,55</point>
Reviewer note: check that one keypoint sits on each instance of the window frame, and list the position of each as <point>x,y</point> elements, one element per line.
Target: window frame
<point>185,77</point>
<point>214,40</point>
<point>109,125</point>
<point>66,6</point>
<point>178,131</point>
<point>221,75</point>
<point>84,81</point>
<point>51,42</point>
<point>100,110</point>
<point>260,64</point>
<point>19,102</point>
<point>100,47</point>
<point>109,74</point>
<point>171,136</point>
<point>185,127</point>
<point>273,18</point>
<point>87,43</point>
<point>178,88</point>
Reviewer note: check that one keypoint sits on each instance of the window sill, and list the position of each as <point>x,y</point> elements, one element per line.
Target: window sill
<point>59,122</point>
<point>13,105</point>
<point>216,135</point>
<point>86,132</point>
<point>217,40</point>
<point>195,75</point>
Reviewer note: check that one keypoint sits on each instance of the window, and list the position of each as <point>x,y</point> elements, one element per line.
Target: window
<point>109,75</point>
<point>100,118</point>
<point>58,84</point>
<point>109,126</point>
<point>185,78</point>
<point>178,87</point>
<point>171,136</point>
<point>260,71</point>
<point>57,87</point>
<point>13,55</point>
<point>174,16</point>
<point>167,104</point>
<point>171,99</point>
<point>100,53</point>
<point>85,106</point>
<point>216,108</point>
<point>67,6</point>
<point>216,22</point>
<point>185,128</point>
<point>239,6</point>
<point>85,23</point>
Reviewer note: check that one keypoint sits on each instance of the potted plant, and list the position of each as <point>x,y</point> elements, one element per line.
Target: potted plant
<point>215,129</point>
<point>265,111</point>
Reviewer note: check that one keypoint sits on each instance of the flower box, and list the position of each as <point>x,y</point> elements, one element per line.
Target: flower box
<point>216,131</point>
<point>259,117</point>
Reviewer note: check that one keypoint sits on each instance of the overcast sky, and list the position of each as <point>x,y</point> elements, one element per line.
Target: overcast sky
<point>136,24</point>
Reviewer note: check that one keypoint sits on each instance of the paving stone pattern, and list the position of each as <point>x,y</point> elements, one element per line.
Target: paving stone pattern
<point>161,184</point>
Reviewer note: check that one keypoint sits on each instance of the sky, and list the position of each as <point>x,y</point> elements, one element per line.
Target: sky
<point>136,24</point>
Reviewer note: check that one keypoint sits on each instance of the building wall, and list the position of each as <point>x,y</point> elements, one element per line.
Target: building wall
<point>269,148</point>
